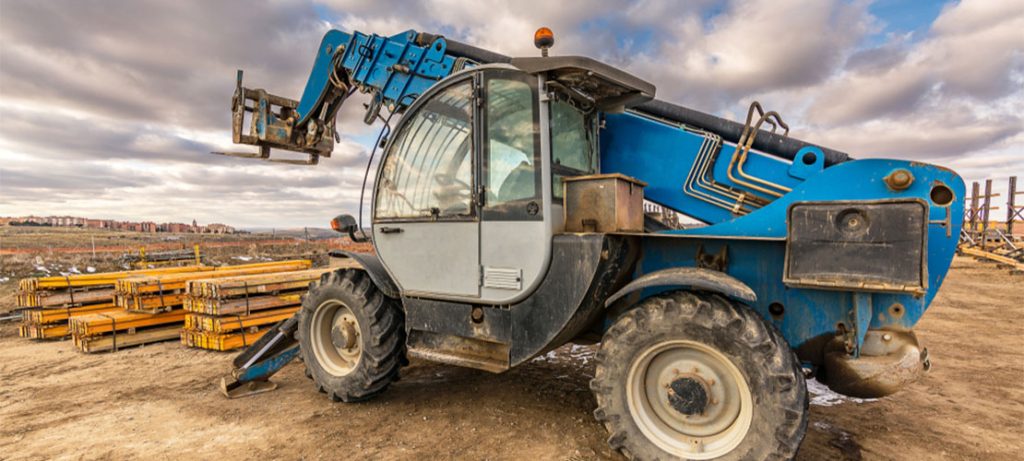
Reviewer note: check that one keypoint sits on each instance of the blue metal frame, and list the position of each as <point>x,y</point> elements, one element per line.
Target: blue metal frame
<point>373,63</point>
<point>661,155</point>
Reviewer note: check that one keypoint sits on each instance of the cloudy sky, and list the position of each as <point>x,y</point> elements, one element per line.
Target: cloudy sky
<point>108,109</point>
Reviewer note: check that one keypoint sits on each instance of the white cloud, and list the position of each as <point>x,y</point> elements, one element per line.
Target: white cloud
<point>110,109</point>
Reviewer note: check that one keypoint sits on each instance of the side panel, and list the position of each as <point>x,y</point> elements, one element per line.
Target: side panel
<point>808,316</point>
<point>585,270</point>
<point>441,258</point>
<point>668,157</point>
<point>512,246</point>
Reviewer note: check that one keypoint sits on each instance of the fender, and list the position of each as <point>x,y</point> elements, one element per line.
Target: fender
<point>371,264</point>
<point>689,277</point>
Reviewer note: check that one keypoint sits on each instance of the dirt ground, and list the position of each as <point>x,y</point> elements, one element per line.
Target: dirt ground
<point>52,251</point>
<point>160,402</point>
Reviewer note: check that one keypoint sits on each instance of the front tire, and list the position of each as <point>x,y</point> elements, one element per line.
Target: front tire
<point>351,336</point>
<point>687,376</point>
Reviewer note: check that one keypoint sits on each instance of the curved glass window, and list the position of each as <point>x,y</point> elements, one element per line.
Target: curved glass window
<point>428,172</point>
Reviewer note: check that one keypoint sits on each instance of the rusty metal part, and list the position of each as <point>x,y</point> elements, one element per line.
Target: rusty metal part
<point>689,394</point>
<point>889,360</point>
<point>603,203</point>
<point>458,350</point>
<point>899,179</point>
<point>273,126</point>
<point>477,314</point>
<point>701,185</point>
<point>739,157</point>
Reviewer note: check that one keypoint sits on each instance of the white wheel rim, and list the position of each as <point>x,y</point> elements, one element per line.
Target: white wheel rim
<point>714,425</point>
<point>336,338</point>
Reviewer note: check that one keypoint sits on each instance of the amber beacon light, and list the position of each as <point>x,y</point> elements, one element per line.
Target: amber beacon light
<point>543,38</point>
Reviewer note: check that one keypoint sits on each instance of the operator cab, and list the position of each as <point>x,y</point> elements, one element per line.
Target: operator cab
<point>469,193</point>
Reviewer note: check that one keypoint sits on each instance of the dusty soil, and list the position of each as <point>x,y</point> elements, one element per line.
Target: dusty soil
<point>160,402</point>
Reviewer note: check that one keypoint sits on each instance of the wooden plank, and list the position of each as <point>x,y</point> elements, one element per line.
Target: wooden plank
<point>242,305</point>
<point>120,340</point>
<point>220,341</point>
<point>46,316</point>
<point>64,298</point>
<point>97,324</point>
<point>35,331</point>
<point>32,284</point>
<point>157,283</point>
<point>258,283</point>
<point>225,323</point>
<point>1013,263</point>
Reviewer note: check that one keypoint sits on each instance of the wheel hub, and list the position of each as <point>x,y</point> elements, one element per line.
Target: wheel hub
<point>689,399</point>
<point>688,395</point>
<point>335,338</point>
<point>343,334</point>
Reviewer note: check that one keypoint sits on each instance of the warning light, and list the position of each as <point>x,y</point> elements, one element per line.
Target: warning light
<point>543,39</point>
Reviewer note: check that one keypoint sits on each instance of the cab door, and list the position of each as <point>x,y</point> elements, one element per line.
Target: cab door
<point>426,225</point>
<point>515,235</point>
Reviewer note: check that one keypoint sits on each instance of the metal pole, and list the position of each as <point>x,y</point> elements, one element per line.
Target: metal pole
<point>974,209</point>
<point>1011,207</point>
<point>985,212</point>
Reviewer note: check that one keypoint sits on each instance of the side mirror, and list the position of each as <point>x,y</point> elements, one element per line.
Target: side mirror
<point>346,224</point>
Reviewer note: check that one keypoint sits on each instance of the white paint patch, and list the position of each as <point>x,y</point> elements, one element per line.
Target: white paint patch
<point>4,279</point>
<point>822,396</point>
<point>242,258</point>
<point>90,269</point>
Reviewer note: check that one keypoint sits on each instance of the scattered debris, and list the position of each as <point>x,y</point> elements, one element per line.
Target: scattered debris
<point>822,396</point>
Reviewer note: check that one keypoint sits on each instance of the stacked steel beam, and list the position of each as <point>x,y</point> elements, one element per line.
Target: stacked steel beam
<point>149,307</point>
<point>231,312</point>
<point>161,293</point>
<point>47,303</point>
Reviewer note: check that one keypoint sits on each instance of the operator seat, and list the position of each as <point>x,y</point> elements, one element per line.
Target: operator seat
<point>519,184</point>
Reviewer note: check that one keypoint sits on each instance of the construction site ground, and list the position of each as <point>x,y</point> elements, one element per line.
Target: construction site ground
<point>161,401</point>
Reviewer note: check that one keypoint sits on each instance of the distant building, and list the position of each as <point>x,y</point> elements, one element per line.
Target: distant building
<point>124,226</point>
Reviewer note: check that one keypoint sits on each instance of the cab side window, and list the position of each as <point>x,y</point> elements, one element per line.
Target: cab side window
<point>428,172</point>
<point>572,149</point>
<point>511,148</point>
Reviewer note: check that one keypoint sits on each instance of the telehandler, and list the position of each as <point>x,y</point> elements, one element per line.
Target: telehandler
<point>508,219</point>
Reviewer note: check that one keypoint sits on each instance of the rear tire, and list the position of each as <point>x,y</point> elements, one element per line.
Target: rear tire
<point>352,337</point>
<point>688,376</point>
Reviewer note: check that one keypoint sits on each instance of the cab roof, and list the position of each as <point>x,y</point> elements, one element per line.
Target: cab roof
<point>610,88</point>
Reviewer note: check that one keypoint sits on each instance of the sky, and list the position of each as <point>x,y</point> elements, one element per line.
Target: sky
<point>109,109</point>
